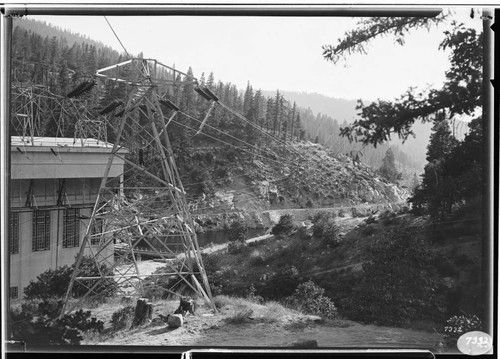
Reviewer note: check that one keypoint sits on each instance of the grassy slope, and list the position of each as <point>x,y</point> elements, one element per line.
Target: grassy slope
<point>276,266</point>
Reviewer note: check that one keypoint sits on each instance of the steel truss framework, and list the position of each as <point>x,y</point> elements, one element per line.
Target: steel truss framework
<point>37,112</point>
<point>144,209</point>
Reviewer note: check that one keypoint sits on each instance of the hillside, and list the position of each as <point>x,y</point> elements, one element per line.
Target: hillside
<point>324,115</point>
<point>65,36</point>
<point>337,108</point>
<point>307,176</point>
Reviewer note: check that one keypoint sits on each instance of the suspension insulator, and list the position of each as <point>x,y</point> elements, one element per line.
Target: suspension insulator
<point>90,85</point>
<point>110,107</point>
<point>210,94</point>
<point>81,89</point>
<point>169,104</point>
<point>202,93</point>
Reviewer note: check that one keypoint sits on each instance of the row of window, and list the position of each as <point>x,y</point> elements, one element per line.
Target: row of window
<point>13,293</point>
<point>41,230</point>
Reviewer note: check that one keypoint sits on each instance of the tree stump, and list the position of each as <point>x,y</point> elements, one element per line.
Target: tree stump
<point>186,305</point>
<point>143,312</point>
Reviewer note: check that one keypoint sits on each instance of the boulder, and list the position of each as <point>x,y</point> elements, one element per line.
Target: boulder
<point>175,320</point>
<point>314,318</point>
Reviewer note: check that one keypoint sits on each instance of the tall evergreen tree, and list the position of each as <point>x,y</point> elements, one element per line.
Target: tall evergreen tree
<point>388,169</point>
<point>441,142</point>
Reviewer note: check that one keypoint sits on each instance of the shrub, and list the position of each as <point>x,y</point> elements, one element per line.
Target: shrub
<point>462,260</point>
<point>51,283</point>
<point>284,226</point>
<point>256,259</point>
<point>461,324</point>
<point>216,278</point>
<point>444,267</point>
<point>88,268</point>
<point>253,296</point>
<point>55,283</point>
<point>122,318</point>
<point>304,233</point>
<point>38,323</point>
<point>310,298</point>
<point>325,228</point>
<point>235,247</point>
<point>368,230</point>
<point>399,282</point>
<point>238,231</point>
<point>387,217</point>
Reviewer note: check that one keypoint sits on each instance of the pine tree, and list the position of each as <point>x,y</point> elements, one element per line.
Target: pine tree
<point>441,142</point>
<point>388,169</point>
<point>247,99</point>
<point>292,120</point>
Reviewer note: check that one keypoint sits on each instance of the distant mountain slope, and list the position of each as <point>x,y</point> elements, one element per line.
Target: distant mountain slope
<point>65,36</point>
<point>344,111</point>
<point>337,108</point>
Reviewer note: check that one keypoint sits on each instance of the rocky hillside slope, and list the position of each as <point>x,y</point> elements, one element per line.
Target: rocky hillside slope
<point>304,175</point>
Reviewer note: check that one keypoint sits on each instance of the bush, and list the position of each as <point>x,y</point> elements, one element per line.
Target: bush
<point>122,318</point>
<point>325,228</point>
<point>88,268</point>
<point>444,267</point>
<point>253,296</point>
<point>310,298</point>
<point>256,259</point>
<point>216,278</point>
<point>38,323</point>
<point>235,247</point>
<point>399,282</point>
<point>55,283</point>
<point>284,226</point>
<point>388,217</point>
<point>461,324</point>
<point>304,233</point>
<point>368,230</point>
<point>51,283</point>
<point>238,231</point>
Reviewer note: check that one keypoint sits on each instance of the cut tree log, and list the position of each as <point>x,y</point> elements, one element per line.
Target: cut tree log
<point>143,312</point>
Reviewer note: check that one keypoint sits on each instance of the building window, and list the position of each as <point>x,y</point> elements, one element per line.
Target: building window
<point>95,234</point>
<point>41,231</point>
<point>13,293</point>
<point>14,233</point>
<point>71,234</point>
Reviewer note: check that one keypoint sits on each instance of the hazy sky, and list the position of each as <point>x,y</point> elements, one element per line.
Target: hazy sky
<point>276,53</point>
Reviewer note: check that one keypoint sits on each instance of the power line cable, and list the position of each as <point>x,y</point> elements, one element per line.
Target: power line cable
<point>111,27</point>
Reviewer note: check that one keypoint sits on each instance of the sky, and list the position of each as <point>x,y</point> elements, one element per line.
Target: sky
<point>276,52</point>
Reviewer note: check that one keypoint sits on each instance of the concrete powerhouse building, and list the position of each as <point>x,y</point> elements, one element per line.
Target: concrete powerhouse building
<point>54,186</point>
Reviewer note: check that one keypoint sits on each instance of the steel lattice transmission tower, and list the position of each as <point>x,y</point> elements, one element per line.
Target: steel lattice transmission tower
<point>144,209</point>
<point>39,112</point>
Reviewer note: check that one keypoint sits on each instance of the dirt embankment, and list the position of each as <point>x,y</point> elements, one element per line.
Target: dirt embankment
<point>255,191</point>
